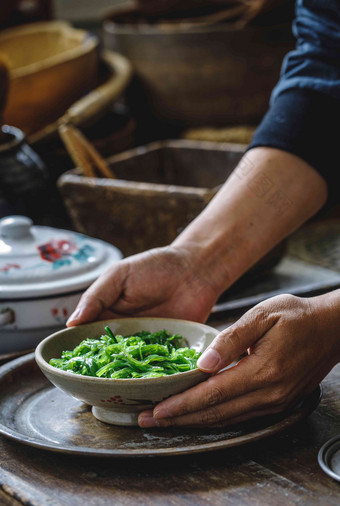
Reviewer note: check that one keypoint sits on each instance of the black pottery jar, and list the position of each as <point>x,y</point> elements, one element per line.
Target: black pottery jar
<point>23,177</point>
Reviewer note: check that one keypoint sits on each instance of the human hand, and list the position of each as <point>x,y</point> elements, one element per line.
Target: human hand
<point>165,282</point>
<point>292,344</point>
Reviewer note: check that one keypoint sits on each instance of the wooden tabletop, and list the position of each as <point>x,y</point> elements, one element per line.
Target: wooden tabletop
<point>280,470</point>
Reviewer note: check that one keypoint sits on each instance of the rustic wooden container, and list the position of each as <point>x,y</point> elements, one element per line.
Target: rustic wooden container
<point>159,189</point>
<point>51,66</point>
<point>192,75</point>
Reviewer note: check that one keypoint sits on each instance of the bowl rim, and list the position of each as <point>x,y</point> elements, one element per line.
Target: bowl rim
<point>45,366</point>
<point>185,27</point>
<point>87,43</point>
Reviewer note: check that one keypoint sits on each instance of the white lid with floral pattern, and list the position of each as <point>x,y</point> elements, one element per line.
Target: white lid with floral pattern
<point>38,261</point>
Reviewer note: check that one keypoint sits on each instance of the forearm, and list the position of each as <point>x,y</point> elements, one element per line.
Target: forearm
<point>268,196</point>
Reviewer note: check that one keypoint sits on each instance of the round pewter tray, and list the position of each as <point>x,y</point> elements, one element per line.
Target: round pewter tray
<point>35,413</point>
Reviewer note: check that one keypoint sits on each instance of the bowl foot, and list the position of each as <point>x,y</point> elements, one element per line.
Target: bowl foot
<point>115,417</point>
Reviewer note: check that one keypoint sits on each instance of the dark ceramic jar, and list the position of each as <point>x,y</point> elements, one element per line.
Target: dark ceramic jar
<point>23,177</point>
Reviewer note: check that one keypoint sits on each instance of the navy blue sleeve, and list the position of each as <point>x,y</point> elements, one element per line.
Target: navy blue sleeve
<point>304,113</point>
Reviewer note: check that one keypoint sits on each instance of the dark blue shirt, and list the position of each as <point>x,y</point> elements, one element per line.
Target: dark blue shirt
<point>304,113</point>
<point>315,63</point>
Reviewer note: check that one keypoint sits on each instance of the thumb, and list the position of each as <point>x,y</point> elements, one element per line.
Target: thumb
<point>236,339</point>
<point>102,294</point>
<point>88,309</point>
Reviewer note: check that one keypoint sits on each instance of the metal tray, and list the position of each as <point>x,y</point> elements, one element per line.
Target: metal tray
<point>291,275</point>
<point>6,357</point>
<point>35,413</point>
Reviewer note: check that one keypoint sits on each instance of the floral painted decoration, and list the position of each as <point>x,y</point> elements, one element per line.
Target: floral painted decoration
<point>60,314</point>
<point>6,268</point>
<point>63,252</point>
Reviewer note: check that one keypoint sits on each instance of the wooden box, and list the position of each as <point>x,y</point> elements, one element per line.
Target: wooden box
<point>159,189</point>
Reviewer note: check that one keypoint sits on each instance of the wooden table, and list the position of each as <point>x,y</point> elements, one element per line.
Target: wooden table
<point>281,470</point>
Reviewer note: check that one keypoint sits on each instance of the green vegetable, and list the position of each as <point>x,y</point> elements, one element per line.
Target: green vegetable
<point>142,355</point>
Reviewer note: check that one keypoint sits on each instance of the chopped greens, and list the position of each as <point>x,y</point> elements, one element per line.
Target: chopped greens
<point>142,355</point>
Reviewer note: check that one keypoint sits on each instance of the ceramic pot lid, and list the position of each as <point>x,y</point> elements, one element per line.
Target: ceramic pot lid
<point>40,261</point>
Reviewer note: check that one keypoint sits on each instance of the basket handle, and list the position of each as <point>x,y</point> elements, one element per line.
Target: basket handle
<point>92,103</point>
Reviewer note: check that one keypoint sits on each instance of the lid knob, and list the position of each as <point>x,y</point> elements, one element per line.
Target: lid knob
<point>15,227</point>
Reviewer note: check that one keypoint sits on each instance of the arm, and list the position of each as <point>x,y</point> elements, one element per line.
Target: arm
<point>269,195</point>
<point>292,344</point>
<point>277,186</point>
<point>304,112</point>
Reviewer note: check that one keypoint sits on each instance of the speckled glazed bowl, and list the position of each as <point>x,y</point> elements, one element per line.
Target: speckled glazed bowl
<point>118,401</point>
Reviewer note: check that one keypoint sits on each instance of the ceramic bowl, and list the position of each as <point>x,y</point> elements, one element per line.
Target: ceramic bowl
<point>118,401</point>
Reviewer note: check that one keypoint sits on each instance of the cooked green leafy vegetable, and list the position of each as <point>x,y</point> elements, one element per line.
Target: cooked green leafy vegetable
<point>142,355</point>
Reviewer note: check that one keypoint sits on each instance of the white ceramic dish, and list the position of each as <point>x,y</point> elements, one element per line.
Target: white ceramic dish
<point>118,401</point>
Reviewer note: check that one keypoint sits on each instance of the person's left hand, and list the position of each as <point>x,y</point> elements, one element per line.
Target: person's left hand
<point>291,347</point>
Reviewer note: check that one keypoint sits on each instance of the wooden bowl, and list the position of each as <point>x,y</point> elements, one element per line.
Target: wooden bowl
<point>51,66</point>
<point>191,75</point>
<point>134,395</point>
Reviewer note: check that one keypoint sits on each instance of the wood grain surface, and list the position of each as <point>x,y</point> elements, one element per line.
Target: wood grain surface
<point>282,470</point>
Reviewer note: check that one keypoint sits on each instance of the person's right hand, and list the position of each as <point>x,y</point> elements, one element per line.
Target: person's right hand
<point>288,345</point>
<point>164,282</point>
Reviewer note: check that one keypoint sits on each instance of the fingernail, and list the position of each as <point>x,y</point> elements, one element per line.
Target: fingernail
<point>209,360</point>
<point>147,421</point>
<point>75,315</point>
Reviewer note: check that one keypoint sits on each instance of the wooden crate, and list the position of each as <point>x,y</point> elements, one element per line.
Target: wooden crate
<point>159,189</point>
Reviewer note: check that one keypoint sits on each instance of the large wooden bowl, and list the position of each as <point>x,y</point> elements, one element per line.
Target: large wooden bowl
<point>197,75</point>
<point>51,66</point>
